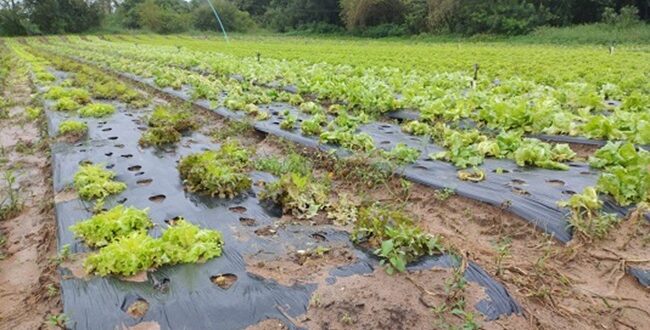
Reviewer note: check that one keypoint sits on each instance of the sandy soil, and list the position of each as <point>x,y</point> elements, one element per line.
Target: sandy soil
<point>26,271</point>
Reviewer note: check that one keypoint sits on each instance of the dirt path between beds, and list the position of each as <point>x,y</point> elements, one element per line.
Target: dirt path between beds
<point>28,285</point>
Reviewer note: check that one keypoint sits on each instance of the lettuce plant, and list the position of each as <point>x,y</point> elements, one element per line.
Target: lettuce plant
<point>97,110</point>
<point>94,182</point>
<point>106,227</point>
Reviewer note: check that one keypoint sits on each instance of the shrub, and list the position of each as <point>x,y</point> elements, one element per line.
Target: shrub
<point>97,110</point>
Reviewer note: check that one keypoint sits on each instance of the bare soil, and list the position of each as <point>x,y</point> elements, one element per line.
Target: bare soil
<point>26,271</point>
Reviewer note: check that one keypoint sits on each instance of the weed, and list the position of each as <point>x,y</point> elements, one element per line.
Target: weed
<point>52,290</point>
<point>300,195</point>
<point>62,255</point>
<point>402,154</point>
<point>444,194</point>
<point>394,235</point>
<point>11,205</point>
<point>58,320</point>
<point>233,128</point>
<point>292,163</point>
<point>586,217</point>
<point>503,252</point>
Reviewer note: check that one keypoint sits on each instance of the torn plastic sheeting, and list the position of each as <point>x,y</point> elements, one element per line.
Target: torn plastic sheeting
<point>641,275</point>
<point>188,298</point>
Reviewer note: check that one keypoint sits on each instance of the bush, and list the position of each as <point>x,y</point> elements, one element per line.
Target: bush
<point>628,16</point>
<point>232,18</point>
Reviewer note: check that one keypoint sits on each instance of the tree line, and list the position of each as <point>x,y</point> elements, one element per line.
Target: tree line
<point>363,17</point>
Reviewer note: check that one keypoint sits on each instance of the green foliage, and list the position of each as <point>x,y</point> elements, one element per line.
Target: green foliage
<point>217,173</point>
<point>73,128</point>
<point>66,104</point>
<point>187,243</point>
<point>393,233</point>
<point>536,153</point>
<point>355,142</point>
<point>313,126</point>
<point>292,163</point>
<point>289,122</point>
<point>78,95</point>
<point>33,113</point>
<point>126,256</point>
<point>166,127</point>
<point>180,120</point>
<point>402,154</point>
<point>106,227</point>
<point>300,195</point>
<point>137,252</point>
<point>160,136</point>
<point>94,182</point>
<point>97,110</point>
<point>11,204</point>
<point>586,217</point>
<point>626,172</point>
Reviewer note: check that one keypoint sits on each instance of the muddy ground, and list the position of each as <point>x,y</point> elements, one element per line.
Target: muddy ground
<point>28,283</point>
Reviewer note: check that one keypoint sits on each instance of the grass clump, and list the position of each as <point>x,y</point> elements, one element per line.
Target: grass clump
<point>128,255</point>
<point>217,173</point>
<point>66,104</point>
<point>104,228</point>
<point>300,195</point>
<point>97,110</point>
<point>73,128</point>
<point>394,236</point>
<point>94,182</point>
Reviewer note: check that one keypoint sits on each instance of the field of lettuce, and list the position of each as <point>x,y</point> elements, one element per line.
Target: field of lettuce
<point>283,182</point>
